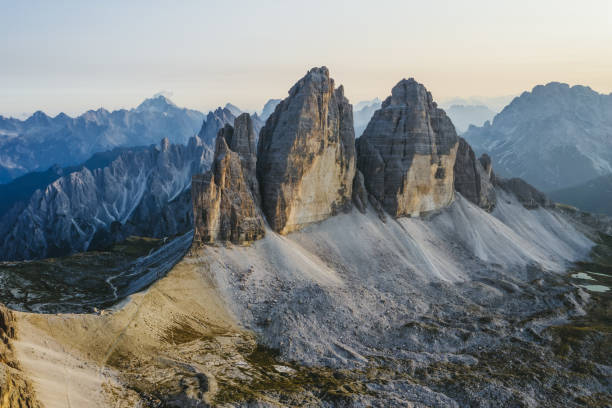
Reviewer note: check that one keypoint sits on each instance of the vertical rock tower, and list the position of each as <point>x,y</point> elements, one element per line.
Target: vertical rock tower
<point>306,154</point>
<point>407,152</point>
<point>224,198</point>
<point>473,177</point>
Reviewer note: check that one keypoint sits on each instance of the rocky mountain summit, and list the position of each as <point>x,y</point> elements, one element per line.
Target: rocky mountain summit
<point>555,136</point>
<point>410,161</point>
<point>90,208</point>
<point>407,152</point>
<point>306,154</point>
<point>224,198</point>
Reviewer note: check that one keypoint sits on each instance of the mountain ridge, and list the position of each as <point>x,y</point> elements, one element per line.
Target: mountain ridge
<point>554,136</point>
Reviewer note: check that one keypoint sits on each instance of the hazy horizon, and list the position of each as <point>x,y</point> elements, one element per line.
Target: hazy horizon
<point>77,56</point>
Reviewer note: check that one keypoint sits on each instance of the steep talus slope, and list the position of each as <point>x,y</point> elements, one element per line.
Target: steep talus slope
<point>353,291</point>
<point>306,154</point>
<point>407,152</point>
<point>360,311</point>
<point>555,136</point>
<point>42,141</point>
<point>91,208</point>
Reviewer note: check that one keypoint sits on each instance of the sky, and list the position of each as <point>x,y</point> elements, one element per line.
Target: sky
<point>72,56</point>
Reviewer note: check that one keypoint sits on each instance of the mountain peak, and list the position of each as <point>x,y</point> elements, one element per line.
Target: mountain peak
<point>236,111</point>
<point>156,103</point>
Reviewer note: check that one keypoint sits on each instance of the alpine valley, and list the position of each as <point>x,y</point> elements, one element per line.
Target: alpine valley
<point>175,259</point>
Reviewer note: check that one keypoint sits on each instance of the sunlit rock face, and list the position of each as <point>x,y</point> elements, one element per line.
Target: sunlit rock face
<point>407,152</point>
<point>306,154</point>
<point>473,177</point>
<point>224,198</point>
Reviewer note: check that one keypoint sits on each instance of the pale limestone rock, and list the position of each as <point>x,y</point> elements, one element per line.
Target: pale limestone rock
<point>224,205</point>
<point>407,152</point>
<point>306,154</point>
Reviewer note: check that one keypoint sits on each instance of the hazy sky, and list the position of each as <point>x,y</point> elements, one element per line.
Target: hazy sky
<point>76,55</point>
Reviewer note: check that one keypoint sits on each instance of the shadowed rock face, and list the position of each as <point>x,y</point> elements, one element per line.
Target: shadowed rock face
<point>473,177</point>
<point>242,140</point>
<point>306,154</point>
<point>407,152</point>
<point>224,202</point>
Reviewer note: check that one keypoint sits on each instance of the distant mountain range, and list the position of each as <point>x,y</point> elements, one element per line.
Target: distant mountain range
<point>465,115</point>
<point>42,141</point>
<point>130,191</point>
<point>554,137</point>
<point>362,113</point>
<point>493,103</point>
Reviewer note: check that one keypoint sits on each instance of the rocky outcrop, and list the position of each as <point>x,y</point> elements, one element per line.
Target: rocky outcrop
<point>15,389</point>
<point>215,120</point>
<point>407,152</point>
<point>306,154</point>
<point>473,177</point>
<point>142,192</point>
<point>225,198</point>
<point>529,196</point>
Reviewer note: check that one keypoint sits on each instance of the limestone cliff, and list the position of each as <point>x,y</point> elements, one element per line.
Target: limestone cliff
<point>306,154</point>
<point>407,152</point>
<point>473,177</point>
<point>224,202</point>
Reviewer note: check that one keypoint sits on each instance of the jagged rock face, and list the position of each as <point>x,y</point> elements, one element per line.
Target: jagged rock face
<point>306,154</point>
<point>472,178</point>
<point>224,204</point>
<point>407,152</point>
<point>142,192</point>
<point>214,121</point>
<point>242,140</point>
